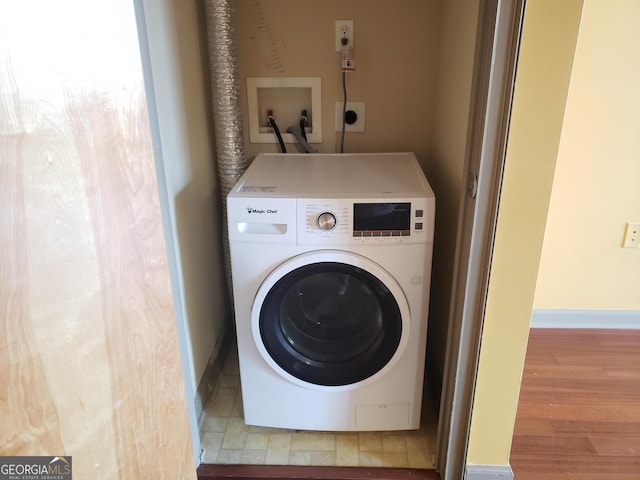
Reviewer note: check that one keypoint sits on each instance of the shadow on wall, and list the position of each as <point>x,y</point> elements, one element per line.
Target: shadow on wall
<point>205,288</point>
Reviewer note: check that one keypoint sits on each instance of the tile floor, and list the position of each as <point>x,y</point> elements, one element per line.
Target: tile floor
<point>227,440</point>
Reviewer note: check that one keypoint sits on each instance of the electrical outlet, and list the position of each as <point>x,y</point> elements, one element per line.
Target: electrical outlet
<point>359,109</point>
<point>344,29</point>
<point>631,235</point>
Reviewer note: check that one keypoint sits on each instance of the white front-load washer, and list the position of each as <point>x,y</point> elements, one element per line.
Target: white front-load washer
<point>331,263</point>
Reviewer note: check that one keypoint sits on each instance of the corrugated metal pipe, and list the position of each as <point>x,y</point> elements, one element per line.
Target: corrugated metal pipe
<point>220,17</point>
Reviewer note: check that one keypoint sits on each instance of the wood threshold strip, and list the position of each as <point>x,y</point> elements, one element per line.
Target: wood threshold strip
<point>291,472</point>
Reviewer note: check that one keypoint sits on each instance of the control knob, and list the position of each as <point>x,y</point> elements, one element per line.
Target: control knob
<point>327,221</point>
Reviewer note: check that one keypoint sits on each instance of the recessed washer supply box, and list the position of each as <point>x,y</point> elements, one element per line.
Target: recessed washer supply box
<point>287,97</point>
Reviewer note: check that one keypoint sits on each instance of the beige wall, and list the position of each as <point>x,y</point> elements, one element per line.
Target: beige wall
<point>453,92</point>
<point>547,50</point>
<point>395,55</point>
<point>595,189</point>
<point>179,76</point>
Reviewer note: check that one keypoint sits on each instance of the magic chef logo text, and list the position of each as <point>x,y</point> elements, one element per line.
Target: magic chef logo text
<point>259,211</point>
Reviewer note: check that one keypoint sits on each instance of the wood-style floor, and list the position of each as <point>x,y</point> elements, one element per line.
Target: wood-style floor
<point>579,410</point>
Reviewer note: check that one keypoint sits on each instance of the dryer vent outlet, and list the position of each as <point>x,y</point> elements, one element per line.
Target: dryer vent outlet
<point>354,117</point>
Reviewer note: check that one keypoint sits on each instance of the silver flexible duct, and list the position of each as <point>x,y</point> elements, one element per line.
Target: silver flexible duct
<point>220,17</point>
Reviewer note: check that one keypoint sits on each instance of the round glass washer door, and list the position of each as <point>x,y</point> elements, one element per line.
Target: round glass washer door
<point>330,319</point>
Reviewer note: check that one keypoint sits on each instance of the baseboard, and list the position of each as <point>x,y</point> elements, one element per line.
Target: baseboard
<point>488,472</point>
<point>611,319</point>
<point>213,369</point>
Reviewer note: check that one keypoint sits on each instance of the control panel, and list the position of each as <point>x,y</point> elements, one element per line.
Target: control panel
<point>334,221</point>
<point>323,218</point>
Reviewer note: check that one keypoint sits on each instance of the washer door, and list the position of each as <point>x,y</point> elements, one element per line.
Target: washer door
<point>330,319</point>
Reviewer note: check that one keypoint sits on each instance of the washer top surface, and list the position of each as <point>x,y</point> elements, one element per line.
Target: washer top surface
<point>334,176</point>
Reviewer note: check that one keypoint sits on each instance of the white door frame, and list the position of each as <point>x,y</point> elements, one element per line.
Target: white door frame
<point>497,42</point>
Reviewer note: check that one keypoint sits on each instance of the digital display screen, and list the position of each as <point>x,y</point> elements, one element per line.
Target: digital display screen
<point>368,217</point>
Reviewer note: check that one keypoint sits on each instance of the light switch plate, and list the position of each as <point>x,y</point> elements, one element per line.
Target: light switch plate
<point>631,235</point>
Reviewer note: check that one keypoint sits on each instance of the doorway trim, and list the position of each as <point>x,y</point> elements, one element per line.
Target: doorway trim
<point>497,43</point>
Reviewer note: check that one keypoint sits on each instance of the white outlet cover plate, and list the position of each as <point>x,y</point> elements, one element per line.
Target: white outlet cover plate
<point>338,33</point>
<point>359,108</point>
